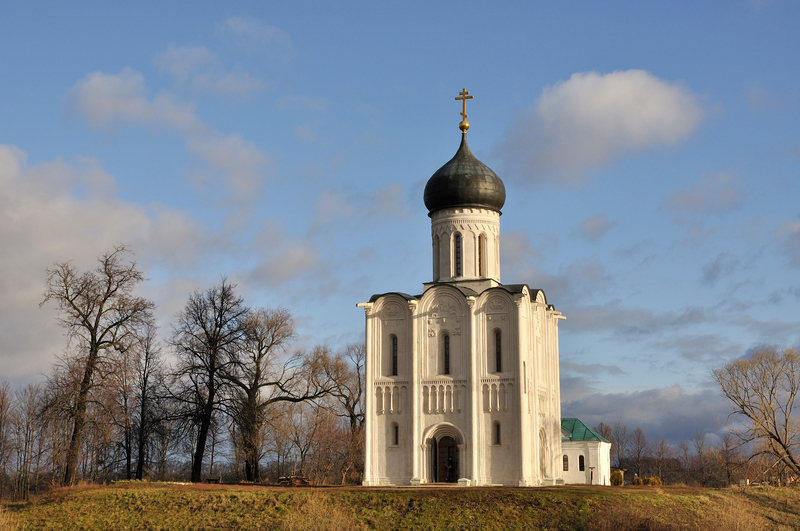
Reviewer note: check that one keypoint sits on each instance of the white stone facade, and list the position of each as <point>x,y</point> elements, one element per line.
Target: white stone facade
<point>463,380</point>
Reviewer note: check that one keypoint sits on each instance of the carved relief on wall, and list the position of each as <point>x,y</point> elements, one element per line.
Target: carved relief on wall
<point>443,309</point>
<point>392,311</point>
<point>496,304</point>
<point>496,309</point>
<point>542,402</point>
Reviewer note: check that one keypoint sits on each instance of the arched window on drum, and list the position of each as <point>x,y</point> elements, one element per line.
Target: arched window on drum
<point>445,354</point>
<point>393,342</point>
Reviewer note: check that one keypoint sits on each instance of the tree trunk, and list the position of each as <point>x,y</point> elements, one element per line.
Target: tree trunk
<point>73,451</point>
<point>250,446</point>
<point>202,437</point>
<point>128,453</point>
<point>140,449</point>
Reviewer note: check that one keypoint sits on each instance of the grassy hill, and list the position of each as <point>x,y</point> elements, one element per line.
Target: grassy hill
<point>165,506</point>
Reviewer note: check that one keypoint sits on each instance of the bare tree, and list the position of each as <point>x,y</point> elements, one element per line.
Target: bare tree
<point>207,339</point>
<point>6,414</point>
<point>662,454</point>
<point>619,442</point>
<point>699,443</point>
<point>640,450</point>
<point>347,374</point>
<point>763,389</point>
<point>260,379</point>
<point>150,375</point>
<point>255,377</point>
<point>604,430</point>
<point>99,311</point>
<point>728,452</point>
<point>120,401</point>
<point>27,437</point>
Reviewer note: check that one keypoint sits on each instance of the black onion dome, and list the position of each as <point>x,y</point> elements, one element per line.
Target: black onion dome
<point>464,182</point>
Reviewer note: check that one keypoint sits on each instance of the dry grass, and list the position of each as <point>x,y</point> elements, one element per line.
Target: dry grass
<point>317,513</point>
<point>174,506</point>
<point>7,521</point>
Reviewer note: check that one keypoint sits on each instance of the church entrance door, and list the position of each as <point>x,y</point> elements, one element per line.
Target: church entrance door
<point>447,461</point>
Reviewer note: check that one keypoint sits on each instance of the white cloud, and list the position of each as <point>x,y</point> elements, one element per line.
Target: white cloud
<point>391,200</point>
<point>761,99</point>
<point>624,322</point>
<point>722,265</point>
<point>791,237</point>
<point>238,160</point>
<point>282,259</point>
<point>713,193</point>
<point>62,211</point>
<point>200,69</point>
<point>254,34</point>
<point>106,100</point>
<point>594,227</point>
<point>110,100</point>
<point>591,120</point>
<point>331,206</point>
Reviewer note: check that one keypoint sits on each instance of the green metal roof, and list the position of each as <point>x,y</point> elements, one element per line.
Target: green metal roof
<point>578,431</point>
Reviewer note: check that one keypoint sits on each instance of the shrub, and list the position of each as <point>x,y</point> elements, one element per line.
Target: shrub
<point>637,480</point>
<point>654,481</point>
<point>617,478</point>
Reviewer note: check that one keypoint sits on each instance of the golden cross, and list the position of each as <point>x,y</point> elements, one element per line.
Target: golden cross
<point>464,97</point>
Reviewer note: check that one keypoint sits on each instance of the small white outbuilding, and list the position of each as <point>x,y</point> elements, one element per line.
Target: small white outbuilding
<point>587,455</point>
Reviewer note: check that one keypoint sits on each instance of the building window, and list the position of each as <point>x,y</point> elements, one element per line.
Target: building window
<point>497,433</point>
<point>581,465</point>
<point>446,354</point>
<point>396,434</point>
<point>498,350</point>
<point>394,355</point>
<point>458,257</point>
<point>481,262</point>
<point>566,463</point>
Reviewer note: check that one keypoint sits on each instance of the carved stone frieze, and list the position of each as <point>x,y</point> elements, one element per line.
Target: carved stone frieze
<point>443,309</point>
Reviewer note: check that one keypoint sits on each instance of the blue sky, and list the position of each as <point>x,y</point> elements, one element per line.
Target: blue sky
<point>650,153</point>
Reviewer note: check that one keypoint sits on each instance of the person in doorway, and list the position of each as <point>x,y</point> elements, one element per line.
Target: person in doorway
<point>449,477</point>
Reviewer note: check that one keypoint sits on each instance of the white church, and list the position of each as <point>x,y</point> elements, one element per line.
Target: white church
<point>463,380</point>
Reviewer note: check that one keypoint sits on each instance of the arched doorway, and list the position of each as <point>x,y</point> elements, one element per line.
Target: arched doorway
<point>444,453</point>
<point>445,461</point>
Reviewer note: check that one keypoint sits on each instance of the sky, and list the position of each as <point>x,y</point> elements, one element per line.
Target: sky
<point>650,153</point>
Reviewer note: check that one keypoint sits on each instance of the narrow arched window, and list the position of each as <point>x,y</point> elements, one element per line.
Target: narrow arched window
<point>396,434</point>
<point>447,354</point>
<point>458,256</point>
<point>498,350</point>
<point>481,258</point>
<point>581,465</point>
<point>497,433</point>
<point>566,463</point>
<point>394,355</point>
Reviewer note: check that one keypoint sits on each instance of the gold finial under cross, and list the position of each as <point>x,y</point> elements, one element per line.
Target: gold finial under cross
<point>464,96</point>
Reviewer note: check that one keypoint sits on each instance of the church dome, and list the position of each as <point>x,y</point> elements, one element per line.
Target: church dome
<point>464,182</point>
